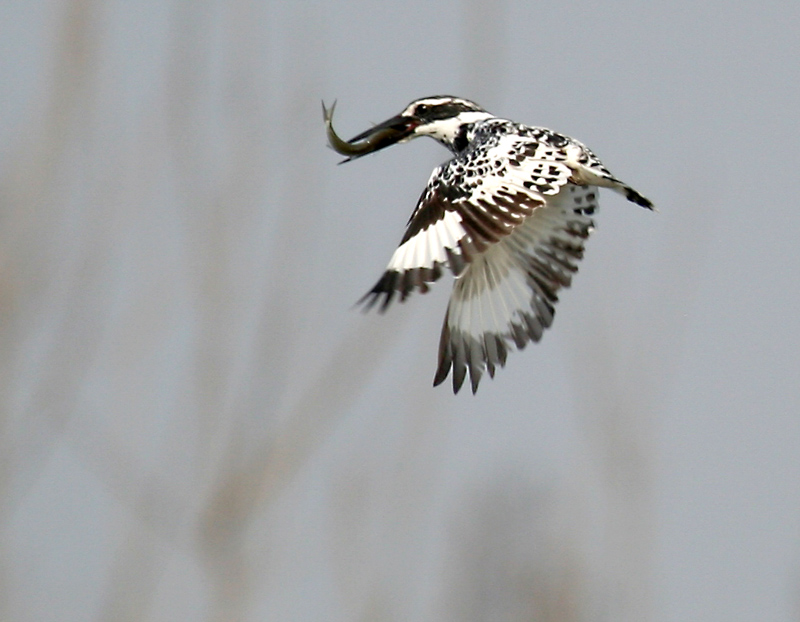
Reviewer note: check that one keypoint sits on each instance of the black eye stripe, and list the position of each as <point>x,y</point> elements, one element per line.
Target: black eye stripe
<point>440,111</point>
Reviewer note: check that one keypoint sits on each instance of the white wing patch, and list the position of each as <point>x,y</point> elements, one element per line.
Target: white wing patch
<point>428,247</point>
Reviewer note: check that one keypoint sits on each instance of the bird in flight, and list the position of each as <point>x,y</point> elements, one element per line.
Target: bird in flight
<point>508,215</point>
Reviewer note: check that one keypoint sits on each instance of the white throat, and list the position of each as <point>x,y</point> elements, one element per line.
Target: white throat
<point>446,130</point>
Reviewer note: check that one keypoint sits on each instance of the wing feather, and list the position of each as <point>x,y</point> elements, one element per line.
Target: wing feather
<point>506,297</point>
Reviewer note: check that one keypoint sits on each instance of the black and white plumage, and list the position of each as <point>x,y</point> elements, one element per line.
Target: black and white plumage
<point>507,215</point>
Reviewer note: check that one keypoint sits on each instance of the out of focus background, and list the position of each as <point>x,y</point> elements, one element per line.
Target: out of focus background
<point>195,424</point>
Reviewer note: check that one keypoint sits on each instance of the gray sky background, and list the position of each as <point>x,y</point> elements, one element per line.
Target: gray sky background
<point>196,425</point>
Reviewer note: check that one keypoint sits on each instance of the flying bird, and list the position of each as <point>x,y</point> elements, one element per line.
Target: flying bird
<point>508,215</point>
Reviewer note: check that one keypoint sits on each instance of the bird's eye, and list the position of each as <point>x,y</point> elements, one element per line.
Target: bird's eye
<point>422,109</point>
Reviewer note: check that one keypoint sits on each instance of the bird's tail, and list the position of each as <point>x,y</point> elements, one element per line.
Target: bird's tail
<point>632,195</point>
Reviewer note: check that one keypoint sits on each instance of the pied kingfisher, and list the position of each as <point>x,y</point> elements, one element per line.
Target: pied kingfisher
<point>508,215</point>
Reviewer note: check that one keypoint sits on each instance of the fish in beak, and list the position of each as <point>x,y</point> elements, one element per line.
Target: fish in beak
<point>391,131</point>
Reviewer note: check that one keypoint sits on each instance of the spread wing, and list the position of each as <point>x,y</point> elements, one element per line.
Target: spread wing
<point>469,204</point>
<point>505,298</point>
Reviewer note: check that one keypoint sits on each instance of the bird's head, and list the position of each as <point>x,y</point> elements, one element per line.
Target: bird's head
<point>442,117</point>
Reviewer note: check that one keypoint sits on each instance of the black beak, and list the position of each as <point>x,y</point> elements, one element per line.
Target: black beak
<point>374,139</point>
